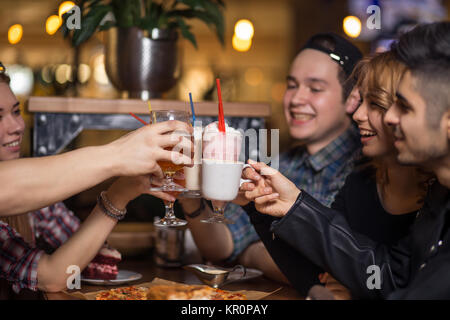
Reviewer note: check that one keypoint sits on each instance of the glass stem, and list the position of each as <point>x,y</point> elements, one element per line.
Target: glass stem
<point>219,210</point>
<point>169,209</point>
<point>169,178</point>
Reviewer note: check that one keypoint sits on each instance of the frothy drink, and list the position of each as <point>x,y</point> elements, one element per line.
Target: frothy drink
<point>221,179</point>
<point>221,170</point>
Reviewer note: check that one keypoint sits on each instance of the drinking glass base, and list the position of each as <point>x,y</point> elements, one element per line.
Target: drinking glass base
<point>191,194</point>
<point>217,219</point>
<point>173,222</point>
<point>173,187</point>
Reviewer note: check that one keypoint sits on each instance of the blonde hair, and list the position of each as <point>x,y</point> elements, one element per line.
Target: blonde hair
<point>378,79</point>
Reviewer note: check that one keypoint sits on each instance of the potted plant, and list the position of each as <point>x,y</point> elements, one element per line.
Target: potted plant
<point>140,48</point>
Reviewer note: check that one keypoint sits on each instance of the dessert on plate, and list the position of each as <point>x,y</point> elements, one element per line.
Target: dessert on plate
<point>104,265</point>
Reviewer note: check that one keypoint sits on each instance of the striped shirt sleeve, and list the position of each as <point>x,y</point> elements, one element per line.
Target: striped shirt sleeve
<point>18,260</point>
<point>55,224</point>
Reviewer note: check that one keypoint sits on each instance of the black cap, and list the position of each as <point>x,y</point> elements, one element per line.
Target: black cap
<point>345,53</point>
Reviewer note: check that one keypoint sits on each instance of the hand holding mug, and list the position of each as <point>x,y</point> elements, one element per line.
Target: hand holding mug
<point>274,194</point>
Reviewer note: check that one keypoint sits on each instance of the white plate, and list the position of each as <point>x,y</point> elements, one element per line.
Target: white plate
<point>123,276</point>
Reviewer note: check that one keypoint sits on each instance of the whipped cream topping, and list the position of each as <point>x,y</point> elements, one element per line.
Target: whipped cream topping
<point>221,145</point>
<point>214,127</point>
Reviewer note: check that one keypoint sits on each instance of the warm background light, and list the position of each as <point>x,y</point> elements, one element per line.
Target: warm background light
<point>15,33</point>
<point>244,29</point>
<point>243,34</point>
<point>241,45</point>
<point>352,26</point>
<point>52,24</point>
<point>64,7</point>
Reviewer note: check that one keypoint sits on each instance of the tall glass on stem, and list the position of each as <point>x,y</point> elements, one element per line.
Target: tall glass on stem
<point>169,169</point>
<point>221,171</point>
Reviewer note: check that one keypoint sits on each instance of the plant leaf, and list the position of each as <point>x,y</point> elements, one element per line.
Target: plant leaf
<point>89,24</point>
<point>185,32</point>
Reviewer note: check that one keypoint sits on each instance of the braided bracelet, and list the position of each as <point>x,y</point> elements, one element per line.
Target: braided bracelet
<point>105,210</point>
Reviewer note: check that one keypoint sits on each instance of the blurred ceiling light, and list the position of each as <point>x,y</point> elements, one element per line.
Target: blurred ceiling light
<point>253,76</point>
<point>99,70</point>
<point>244,29</point>
<point>21,79</point>
<point>84,73</point>
<point>52,24</point>
<point>352,26</point>
<point>63,73</point>
<point>15,33</point>
<point>241,45</point>
<point>46,74</point>
<point>64,7</point>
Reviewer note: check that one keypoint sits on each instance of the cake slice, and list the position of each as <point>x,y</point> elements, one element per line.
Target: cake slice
<point>104,265</point>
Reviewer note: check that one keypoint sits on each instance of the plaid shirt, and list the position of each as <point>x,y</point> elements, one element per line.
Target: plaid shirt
<point>321,175</point>
<point>19,259</point>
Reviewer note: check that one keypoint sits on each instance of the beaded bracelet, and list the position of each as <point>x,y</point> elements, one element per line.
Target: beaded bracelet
<point>110,206</point>
<point>109,209</point>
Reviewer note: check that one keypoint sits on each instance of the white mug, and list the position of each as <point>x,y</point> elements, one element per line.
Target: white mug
<point>221,179</point>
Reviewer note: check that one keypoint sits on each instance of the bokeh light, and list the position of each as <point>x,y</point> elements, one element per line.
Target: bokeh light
<point>52,24</point>
<point>15,33</point>
<point>244,29</point>
<point>64,7</point>
<point>240,44</point>
<point>352,26</point>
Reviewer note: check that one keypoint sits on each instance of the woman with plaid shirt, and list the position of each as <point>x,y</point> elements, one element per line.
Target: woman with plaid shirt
<point>25,238</point>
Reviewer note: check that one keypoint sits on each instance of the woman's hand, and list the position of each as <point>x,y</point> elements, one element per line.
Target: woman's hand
<point>125,189</point>
<point>274,194</point>
<point>241,199</point>
<point>137,152</point>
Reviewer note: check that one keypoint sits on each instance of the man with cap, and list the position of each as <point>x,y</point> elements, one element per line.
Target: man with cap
<point>326,144</point>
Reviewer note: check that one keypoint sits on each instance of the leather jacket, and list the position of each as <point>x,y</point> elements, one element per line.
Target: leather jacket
<point>319,237</point>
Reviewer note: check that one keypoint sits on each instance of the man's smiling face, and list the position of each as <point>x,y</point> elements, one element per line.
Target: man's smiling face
<point>416,140</point>
<point>313,103</point>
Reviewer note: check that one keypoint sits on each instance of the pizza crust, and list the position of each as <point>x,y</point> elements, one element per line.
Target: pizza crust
<point>170,292</point>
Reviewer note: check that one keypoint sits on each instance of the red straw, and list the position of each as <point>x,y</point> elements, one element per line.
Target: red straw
<point>137,118</point>
<point>221,117</point>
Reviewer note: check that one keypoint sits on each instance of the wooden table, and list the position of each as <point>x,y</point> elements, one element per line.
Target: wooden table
<point>149,271</point>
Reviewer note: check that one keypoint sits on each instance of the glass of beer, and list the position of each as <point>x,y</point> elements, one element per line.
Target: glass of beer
<point>169,169</point>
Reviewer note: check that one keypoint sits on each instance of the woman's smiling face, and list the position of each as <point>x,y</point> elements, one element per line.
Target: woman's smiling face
<point>376,137</point>
<point>12,126</point>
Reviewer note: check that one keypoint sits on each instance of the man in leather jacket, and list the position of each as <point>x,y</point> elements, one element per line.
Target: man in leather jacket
<point>416,267</point>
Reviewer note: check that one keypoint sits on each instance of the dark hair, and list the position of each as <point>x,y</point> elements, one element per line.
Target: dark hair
<point>425,50</point>
<point>346,82</point>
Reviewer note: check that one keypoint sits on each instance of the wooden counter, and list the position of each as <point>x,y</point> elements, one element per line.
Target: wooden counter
<point>124,106</point>
<point>58,120</point>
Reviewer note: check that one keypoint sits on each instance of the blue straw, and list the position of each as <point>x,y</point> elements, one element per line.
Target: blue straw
<point>192,108</point>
